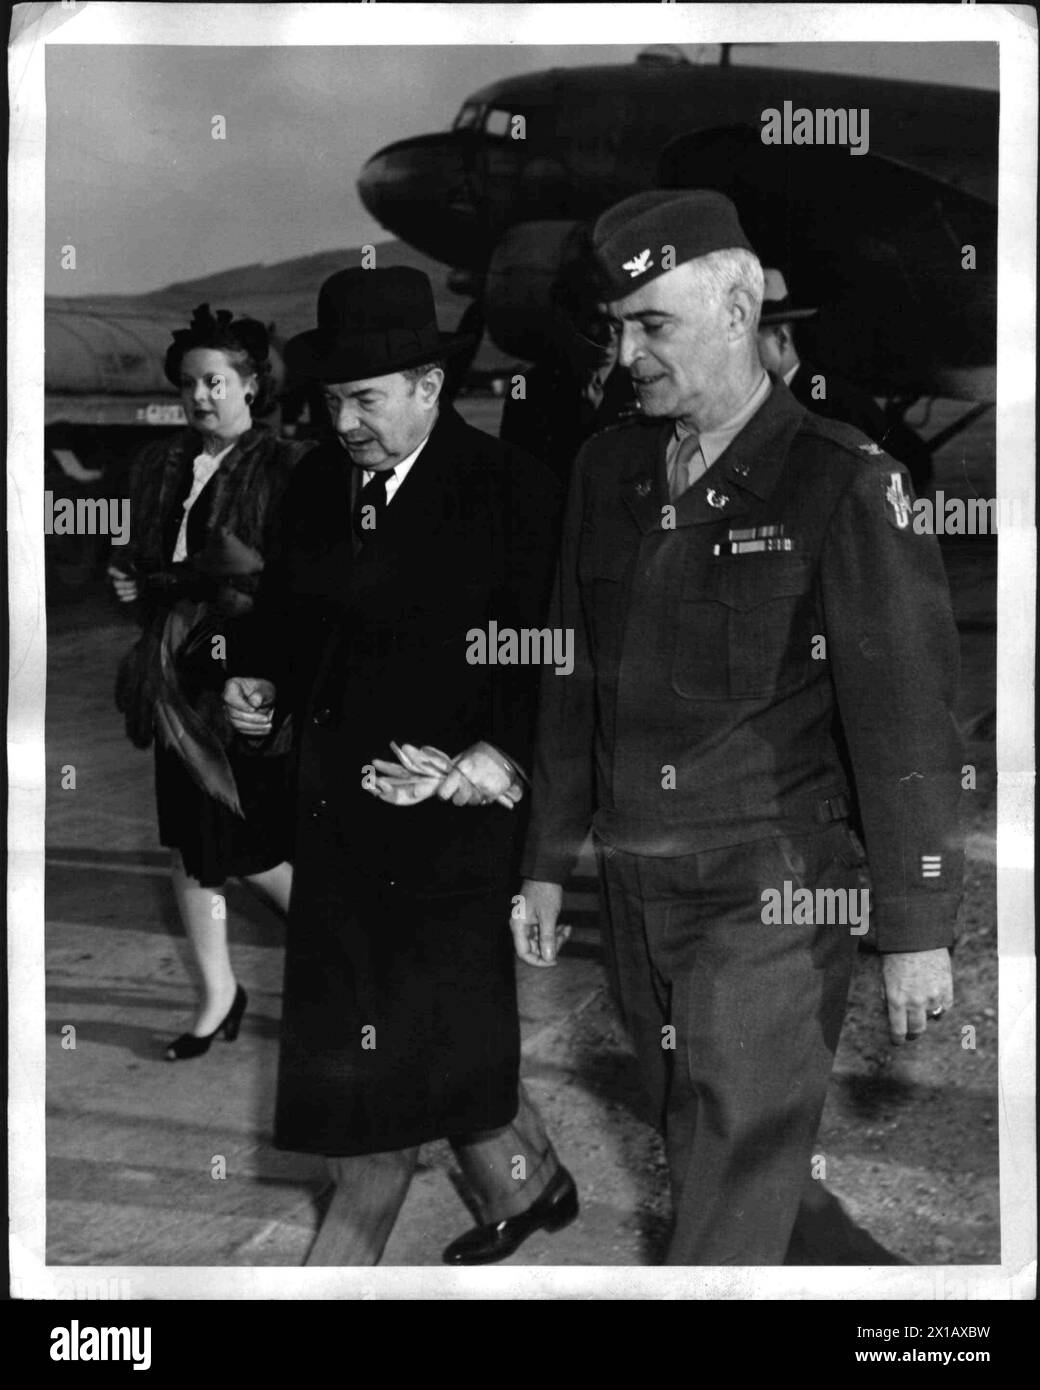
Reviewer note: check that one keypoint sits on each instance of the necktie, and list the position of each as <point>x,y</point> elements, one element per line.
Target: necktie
<point>373,498</point>
<point>687,466</point>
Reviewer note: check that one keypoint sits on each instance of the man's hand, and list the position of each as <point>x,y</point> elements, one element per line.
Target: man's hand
<point>406,784</point>
<point>475,778</point>
<point>917,985</point>
<point>249,703</point>
<point>125,585</point>
<point>480,775</point>
<point>533,922</point>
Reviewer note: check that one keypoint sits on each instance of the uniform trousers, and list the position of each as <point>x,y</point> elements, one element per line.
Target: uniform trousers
<point>505,1170</point>
<point>735,1023</point>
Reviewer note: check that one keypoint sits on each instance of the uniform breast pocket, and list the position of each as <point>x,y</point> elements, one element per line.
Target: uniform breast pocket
<point>601,574</point>
<point>745,628</point>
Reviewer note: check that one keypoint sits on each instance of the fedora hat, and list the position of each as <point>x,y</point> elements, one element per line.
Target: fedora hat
<point>372,323</point>
<point>777,306</point>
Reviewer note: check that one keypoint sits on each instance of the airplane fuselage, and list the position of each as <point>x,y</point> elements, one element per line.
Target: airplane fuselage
<point>565,144</point>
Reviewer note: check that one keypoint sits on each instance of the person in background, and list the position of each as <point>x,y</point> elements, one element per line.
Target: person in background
<point>822,392</point>
<point>202,508</point>
<point>576,389</point>
<point>827,394</point>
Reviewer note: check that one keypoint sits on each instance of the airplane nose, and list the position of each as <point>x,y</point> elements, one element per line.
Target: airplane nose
<point>424,191</point>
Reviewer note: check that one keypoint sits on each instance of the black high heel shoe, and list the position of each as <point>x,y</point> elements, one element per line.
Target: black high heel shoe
<point>189,1045</point>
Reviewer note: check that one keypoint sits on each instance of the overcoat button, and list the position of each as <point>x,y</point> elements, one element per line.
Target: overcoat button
<point>323,717</point>
<point>318,809</point>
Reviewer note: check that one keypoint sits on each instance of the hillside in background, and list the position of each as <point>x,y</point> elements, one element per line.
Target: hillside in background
<point>287,292</point>
<point>117,342</point>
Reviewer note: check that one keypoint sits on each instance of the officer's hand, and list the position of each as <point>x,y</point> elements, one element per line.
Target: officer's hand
<point>917,985</point>
<point>533,922</point>
<point>249,703</point>
<point>481,775</point>
<point>125,585</point>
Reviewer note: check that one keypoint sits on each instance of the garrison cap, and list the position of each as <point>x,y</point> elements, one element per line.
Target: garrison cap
<point>628,238</point>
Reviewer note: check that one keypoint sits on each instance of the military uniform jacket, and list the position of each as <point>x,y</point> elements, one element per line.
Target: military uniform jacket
<point>779,638</point>
<point>842,401</point>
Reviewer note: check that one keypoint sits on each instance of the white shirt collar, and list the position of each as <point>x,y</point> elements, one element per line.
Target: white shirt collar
<point>713,443</point>
<point>203,467</point>
<point>209,463</point>
<point>401,470</point>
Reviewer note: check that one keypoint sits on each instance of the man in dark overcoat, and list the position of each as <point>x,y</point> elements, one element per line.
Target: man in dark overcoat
<point>760,637</point>
<point>402,541</point>
<point>824,393</point>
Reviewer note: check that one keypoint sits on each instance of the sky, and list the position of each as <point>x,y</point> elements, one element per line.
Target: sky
<point>138,185</point>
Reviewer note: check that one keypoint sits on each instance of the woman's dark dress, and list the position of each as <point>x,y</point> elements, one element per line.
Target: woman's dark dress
<point>215,843</point>
<point>241,501</point>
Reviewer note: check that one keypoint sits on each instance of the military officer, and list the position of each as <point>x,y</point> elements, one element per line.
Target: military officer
<point>760,636</point>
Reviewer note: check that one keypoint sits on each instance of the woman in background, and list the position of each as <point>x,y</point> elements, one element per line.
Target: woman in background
<point>203,506</point>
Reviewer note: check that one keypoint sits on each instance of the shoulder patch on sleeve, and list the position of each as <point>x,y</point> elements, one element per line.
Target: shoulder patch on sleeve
<point>897,499</point>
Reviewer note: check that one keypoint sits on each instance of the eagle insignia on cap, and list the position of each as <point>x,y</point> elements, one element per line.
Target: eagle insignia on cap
<point>638,265</point>
<point>871,448</point>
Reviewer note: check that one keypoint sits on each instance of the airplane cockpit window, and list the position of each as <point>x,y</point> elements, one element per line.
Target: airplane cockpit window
<point>497,122</point>
<point>468,118</point>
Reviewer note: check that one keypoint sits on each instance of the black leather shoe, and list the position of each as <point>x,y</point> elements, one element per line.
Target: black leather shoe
<point>555,1208</point>
<point>189,1045</point>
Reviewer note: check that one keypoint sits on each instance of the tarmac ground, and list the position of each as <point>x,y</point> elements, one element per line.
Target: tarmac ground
<point>909,1137</point>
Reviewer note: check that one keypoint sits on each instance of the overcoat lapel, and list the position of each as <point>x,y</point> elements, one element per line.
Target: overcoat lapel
<point>325,538</point>
<point>412,519</point>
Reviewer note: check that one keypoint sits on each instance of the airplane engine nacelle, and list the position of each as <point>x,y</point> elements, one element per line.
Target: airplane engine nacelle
<point>518,308</point>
